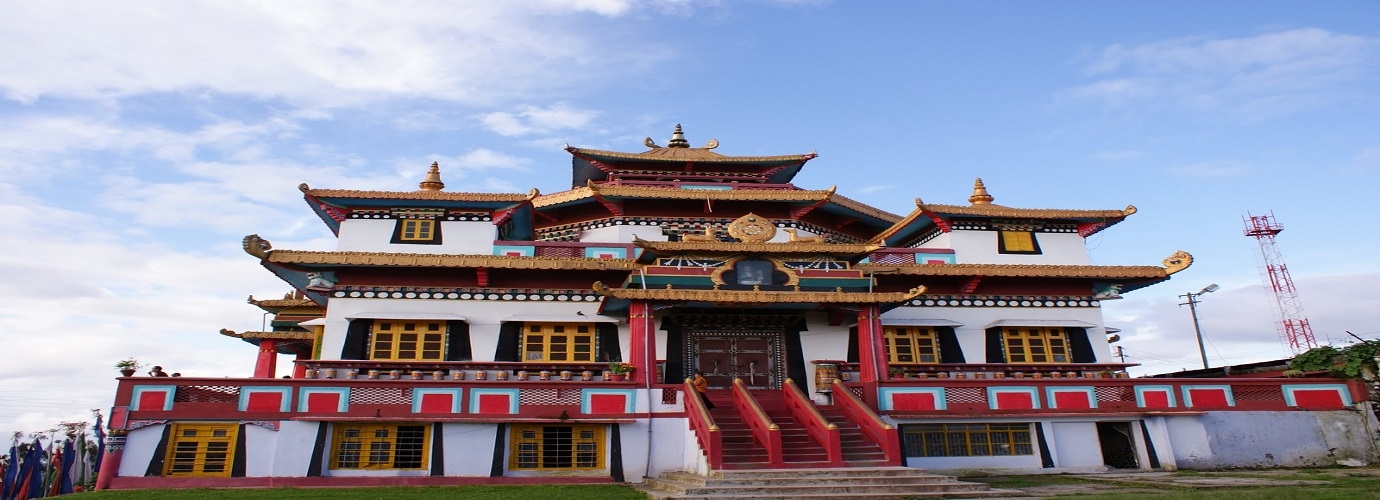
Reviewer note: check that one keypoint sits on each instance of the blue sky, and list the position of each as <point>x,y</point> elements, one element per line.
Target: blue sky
<point>141,140</point>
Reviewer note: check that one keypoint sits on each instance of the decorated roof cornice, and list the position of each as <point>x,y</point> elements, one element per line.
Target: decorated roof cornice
<point>282,303</point>
<point>425,194</point>
<point>667,247</point>
<point>788,195</point>
<point>758,296</point>
<point>1175,263</point>
<point>384,259</point>
<point>268,335</point>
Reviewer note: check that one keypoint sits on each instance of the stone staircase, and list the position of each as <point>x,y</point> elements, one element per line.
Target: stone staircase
<point>742,451</point>
<point>874,483</point>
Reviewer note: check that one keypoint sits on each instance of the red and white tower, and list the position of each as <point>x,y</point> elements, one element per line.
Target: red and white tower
<point>1294,328</point>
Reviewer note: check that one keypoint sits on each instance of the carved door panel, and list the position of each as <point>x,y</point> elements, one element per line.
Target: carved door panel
<point>753,358</point>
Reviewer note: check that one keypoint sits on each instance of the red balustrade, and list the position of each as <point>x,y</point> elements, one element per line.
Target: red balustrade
<point>821,430</point>
<point>872,426</point>
<point>702,423</point>
<point>766,431</point>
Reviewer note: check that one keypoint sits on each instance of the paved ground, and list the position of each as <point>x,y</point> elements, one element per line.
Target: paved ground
<point>1134,483</point>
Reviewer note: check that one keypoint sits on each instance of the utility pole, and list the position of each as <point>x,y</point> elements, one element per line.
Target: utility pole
<point>1193,309</point>
<point>1121,354</point>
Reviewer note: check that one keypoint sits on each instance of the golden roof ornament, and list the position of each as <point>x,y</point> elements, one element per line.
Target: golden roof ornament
<point>678,139</point>
<point>752,228</point>
<point>432,182</point>
<point>980,196</point>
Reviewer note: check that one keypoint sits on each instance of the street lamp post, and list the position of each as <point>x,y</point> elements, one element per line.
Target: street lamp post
<point>1193,309</point>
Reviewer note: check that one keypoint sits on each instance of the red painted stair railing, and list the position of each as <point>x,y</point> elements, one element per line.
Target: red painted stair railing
<point>705,429</point>
<point>766,431</point>
<point>882,433</point>
<point>820,429</point>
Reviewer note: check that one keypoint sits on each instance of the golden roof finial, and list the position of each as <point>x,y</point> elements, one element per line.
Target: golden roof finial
<point>980,196</point>
<point>433,179</point>
<point>678,139</point>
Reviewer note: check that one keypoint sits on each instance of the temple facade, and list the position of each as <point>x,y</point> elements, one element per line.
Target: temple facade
<point>477,337</point>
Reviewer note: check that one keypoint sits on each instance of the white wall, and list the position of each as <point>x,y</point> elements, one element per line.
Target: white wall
<point>821,341</point>
<point>469,448</point>
<point>483,316</point>
<point>140,446</point>
<point>457,237</point>
<point>1075,445</point>
<point>980,247</point>
<point>292,448</point>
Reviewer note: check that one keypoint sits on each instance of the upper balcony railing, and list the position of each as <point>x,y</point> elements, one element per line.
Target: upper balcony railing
<point>902,256</point>
<point>585,249</point>
<point>993,397</point>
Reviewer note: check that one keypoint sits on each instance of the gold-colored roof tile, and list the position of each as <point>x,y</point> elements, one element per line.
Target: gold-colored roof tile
<point>759,297</point>
<point>1018,270</point>
<point>433,260</point>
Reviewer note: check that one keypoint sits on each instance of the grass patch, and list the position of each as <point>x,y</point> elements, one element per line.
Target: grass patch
<point>486,492</point>
<point>1017,482</point>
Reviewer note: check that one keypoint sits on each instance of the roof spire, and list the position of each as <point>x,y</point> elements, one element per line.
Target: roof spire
<point>678,139</point>
<point>980,196</point>
<point>433,179</point>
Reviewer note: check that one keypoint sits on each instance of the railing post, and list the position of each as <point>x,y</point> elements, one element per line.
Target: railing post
<point>872,426</point>
<point>821,430</point>
<point>762,427</point>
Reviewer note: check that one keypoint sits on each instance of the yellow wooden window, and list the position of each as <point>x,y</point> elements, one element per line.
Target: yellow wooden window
<point>1035,345</point>
<point>910,345</point>
<point>1018,242</point>
<point>559,342</point>
<point>359,446</point>
<point>408,340</point>
<point>201,450</point>
<point>417,230</point>
<point>538,447</point>
<point>967,440</point>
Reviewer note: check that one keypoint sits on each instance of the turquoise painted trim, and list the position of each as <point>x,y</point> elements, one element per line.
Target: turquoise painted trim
<point>1167,389</point>
<point>524,251</point>
<point>707,188</point>
<point>1032,391</point>
<point>1188,397</point>
<point>283,405</point>
<point>1289,398</point>
<point>344,392</point>
<point>616,252</point>
<point>455,394</point>
<point>512,398</point>
<point>1051,391</point>
<point>629,407</point>
<point>139,390</point>
<point>885,394</point>
<point>924,258</point>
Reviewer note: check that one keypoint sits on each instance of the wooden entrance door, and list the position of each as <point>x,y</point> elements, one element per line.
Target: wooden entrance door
<point>753,357</point>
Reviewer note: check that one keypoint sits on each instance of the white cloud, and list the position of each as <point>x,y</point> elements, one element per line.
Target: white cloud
<point>1259,76</point>
<point>532,119</point>
<point>323,52</point>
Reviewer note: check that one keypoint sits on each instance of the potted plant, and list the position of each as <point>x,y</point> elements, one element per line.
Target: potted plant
<point>620,370</point>
<point>127,366</point>
<point>897,373</point>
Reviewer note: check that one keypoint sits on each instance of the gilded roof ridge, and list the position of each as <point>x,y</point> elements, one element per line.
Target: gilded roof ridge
<point>831,195</point>
<point>993,210</point>
<point>417,195</point>
<point>682,154</point>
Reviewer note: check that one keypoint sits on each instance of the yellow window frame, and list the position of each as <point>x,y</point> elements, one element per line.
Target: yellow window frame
<point>556,447</point>
<point>201,449</point>
<point>1017,241</point>
<point>968,440</point>
<point>558,342</point>
<point>1035,345</point>
<point>417,230</point>
<point>380,446</point>
<point>407,340</point>
<point>911,345</point>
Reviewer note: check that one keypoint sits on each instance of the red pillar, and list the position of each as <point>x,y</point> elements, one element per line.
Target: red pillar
<point>267,364</point>
<point>872,361</point>
<point>299,370</point>
<point>110,462</point>
<point>642,342</point>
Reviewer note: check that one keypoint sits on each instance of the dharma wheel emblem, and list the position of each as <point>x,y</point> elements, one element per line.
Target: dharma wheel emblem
<point>752,228</point>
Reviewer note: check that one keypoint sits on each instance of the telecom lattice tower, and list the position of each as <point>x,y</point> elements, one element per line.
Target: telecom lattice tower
<point>1295,332</point>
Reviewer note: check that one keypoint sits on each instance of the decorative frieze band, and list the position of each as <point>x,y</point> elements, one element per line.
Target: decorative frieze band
<point>520,295</point>
<point>1001,301</point>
